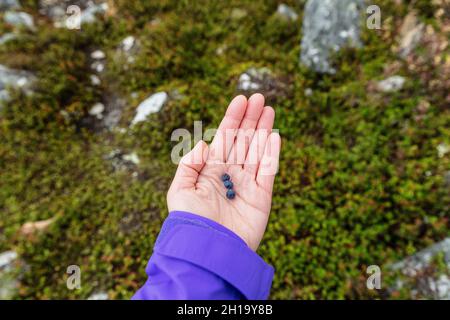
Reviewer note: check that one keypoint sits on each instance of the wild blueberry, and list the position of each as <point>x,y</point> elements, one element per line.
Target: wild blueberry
<point>230,194</point>
<point>225,177</point>
<point>228,184</point>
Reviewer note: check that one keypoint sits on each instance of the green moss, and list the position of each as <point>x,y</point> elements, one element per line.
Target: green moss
<point>360,182</point>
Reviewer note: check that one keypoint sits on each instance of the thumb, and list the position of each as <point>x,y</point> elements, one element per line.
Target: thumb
<point>190,167</point>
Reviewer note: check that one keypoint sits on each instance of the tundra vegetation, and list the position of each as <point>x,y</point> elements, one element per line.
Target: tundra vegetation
<point>363,178</point>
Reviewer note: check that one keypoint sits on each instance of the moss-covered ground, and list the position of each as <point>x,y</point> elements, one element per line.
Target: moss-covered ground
<point>360,180</point>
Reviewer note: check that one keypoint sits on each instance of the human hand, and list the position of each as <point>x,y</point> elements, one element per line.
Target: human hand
<point>244,147</point>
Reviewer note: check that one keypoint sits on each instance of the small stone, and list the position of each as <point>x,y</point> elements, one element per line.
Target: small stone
<point>55,13</point>
<point>287,12</point>
<point>411,33</point>
<point>128,43</point>
<point>245,83</point>
<point>253,79</point>
<point>7,258</point>
<point>9,267</point>
<point>231,194</point>
<point>98,55</point>
<point>95,80</point>
<point>391,84</point>
<point>221,50</point>
<point>98,66</point>
<point>14,79</point>
<point>88,15</point>
<point>97,110</point>
<point>132,157</point>
<point>228,184</point>
<point>154,22</point>
<point>238,13</point>
<point>7,37</point>
<point>19,19</point>
<point>65,114</point>
<point>121,161</point>
<point>226,177</point>
<point>9,4</point>
<point>152,104</point>
<point>442,149</point>
<point>115,107</point>
<point>98,296</point>
<point>433,286</point>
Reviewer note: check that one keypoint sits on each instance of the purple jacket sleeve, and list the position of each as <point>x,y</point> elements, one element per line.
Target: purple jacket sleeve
<point>197,258</point>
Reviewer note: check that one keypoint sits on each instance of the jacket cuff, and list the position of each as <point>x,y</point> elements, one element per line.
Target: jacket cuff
<point>189,237</point>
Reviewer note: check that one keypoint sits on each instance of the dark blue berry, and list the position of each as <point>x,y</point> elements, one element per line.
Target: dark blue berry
<point>230,194</point>
<point>228,184</point>
<point>225,177</point>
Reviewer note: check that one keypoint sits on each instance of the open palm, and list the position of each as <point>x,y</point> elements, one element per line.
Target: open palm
<point>244,147</point>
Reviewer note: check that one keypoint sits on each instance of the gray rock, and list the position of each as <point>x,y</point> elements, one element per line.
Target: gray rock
<point>95,80</point>
<point>99,296</point>
<point>264,81</point>
<point>98,66</point>
<point>9,4</point>
<point>430,285</point>
<point>88,15</point>
<point>114,105</point>
<point>8,281</point>
<point>121,161</point>
<point>286,12</point>
<point>19,19</point>
<point>112,118</point>
<point>105,115</point>
<point>424,257</point>
<point>411,33</point>
<point>391,84</point>
<point>127,50</point>
<point>328,26</point>
<point>56,10</point>
<point>128,43</point>
<point>152,104</point>
<point>15,79</point>
<point>253,79</point>
<point>4,96</point>
<point>98,55</point>
<point>7,258</point>
<point>132,157</point>
<point>7,37</point>
<point>97,110</point>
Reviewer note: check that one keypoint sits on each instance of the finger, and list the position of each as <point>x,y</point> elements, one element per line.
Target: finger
<point>268,166</point>
<point>223,140</point>
<point>190,167</point>
<point>246,130</point>
<point>256,150</point>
